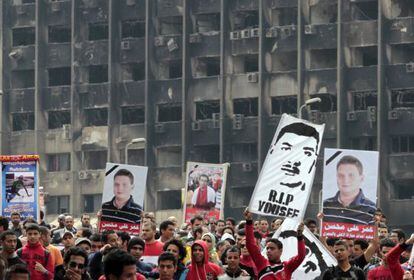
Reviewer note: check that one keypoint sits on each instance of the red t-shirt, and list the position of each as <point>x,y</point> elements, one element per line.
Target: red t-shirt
<point>152,251</point>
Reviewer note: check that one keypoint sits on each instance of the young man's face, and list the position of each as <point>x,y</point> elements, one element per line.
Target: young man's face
<point>147,233</point>
<point>197,223</point>
<point>301,152</point>
<point>394,237</point>
<point>349,179</point>
<point>243,248</point>
<point>77,264</point>
<point>219,227</point>
<point>137,251</point>
<point>167,269</point>
<point>173,249</point>
<point>96,246</point>
<point>15,219</point>
<point>33,236</point>
<point>122,187</point>
<point>383,251</point>
<point>85,246</point>
<point>358,250</point>
<point>198,253</point>
<point>273,252</point>
<point>382,233</point>
<point>341,253</point>
<point>112,240</point>
<point>68,241</point>
<point>86,220</point>
<point>10,243</point>
<point>69,222</point>
<point>233,260</point>
<point>264,225</point>
<point>203,180</point>
<point>169,232</point>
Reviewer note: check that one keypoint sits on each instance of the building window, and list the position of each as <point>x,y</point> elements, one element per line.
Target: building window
<point>96,117</point>
<point>98,31</point>
<point>364,143</point>
<point>403,190</point>
<point>56,119</point>
<point>170,112</point>
<point>23,79</point>
<point>23,36</point>
<point>322,59</point>
<point>327,104</point>
<point>130,115</point>
<point>59,76</point>
<point>98,74</point>
<point>206,109</point>
<point>363,99</point>
<point>240,197</point>
<point>58,162</point>
<point>207,66</point>
<point>133,29</point>
<point>246,19</point>
<point>175,69</point>
<point>57,204</point>
<point>170,199</point>
<point>402,98</point>
<point>244,152</point>
<point>135,156</point>
<point>402,144</point>
<point>92,203</point>
<point>364,10</point>
<point>206,153</point>
<point>22,121</point>
<point>246,106</point>
<point>207,22</point>
<point>95,160</point>
<point>171,25</point>
<point>284,104</point>
<point>168,156</point>
<point>59,34</point>
<point>251,63</point>
<point>133,72</point>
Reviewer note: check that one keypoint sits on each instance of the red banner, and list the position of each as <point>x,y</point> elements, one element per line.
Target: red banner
<point>344,230</point>
<point>133,229</point>
<point>19,158</point>
<point>206,214</point>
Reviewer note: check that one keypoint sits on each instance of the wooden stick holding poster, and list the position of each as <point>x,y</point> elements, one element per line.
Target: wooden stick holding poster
<point>285,181</point>
<point>123,197</point>
<point>350,179</point>
<point>205,189</point>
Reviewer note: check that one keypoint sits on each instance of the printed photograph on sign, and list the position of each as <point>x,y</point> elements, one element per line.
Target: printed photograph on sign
<point>285,181</point>
<point>20,187</point>
<point>123,197</point>
<point>205,188</point>
<point>349,193</point>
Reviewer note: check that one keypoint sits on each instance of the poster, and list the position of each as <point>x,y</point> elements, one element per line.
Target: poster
<point>19,185</point>
<point>205,189</point>
<point>349,193</point>
<point>285,181</point>
<point>123,197</point>
<point>317,258</point>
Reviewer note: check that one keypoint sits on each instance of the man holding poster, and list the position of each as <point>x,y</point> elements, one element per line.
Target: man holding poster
<point>285,182</point>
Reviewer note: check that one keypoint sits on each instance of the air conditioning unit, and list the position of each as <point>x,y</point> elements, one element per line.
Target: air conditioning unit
<point>159,128</point>
<point>131,2</point>
<point>235,35</point>
<point>172,45</point>
<point>67,129</point>
<point>84,175</point>
<point>20,9</point>
<point>272,32</point>
<point>351,116</point>
<point>252,77</point>
<point>409,67</point>
<point>55,6</point>
<point>195,38</point>
<point>372,113</point>
<point>245,34</point>
<point>195,126</point>
<point>394,115</point>
<point>238,121</point>
<point>159,41</point>
<point>310,29</point>
<point>254,32</point>
<point>247,167</point>
<point>287,31</point>
<point>216,120</point>
<point>125,45</point>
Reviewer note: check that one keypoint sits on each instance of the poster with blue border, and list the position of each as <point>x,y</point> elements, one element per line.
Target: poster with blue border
<point>19,185</point>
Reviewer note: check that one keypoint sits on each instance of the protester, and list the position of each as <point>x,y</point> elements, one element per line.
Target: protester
<point>167,230</point>
<point>110,240</point>
<point>210,240</point>
<point>55,254</point>
<point>68,240</point>
<point>16,226</point>
<point>233,270</point>
<point>84,243</point>
<point>58,234</point>
<point>246,261</point>
<point>167,266</point>
<point>17,272</point>
<point>176,248</point>
<point>96,242</point>
<point>153,248</point>
<point>8,242</point>
<point>119,265</point>
<point>201,267</point>
<point>74,268</point>
<point>136,247</point>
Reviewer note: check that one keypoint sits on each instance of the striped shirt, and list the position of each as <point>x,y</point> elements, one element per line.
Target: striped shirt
<point>129,213</point>
<point>360,211</point>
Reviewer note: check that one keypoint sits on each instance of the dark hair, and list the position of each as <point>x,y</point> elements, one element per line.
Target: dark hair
<point>135,241</point>
<point>42,214</point>
<point>386,242</point>
<point>167,256</point>
<point>351,160</point>
<point>115,261</point>
<point>196,218</point>
<point>17,268</point>
<point>43,230</point>
<point>400,233</point>
<point>182,253</point>
<point>4,222</point>
<point>75,251</point>
<point>230,228</point>
<point>233,249</point>
<point>6,233</point>
<point>241,225</point>
<point>241,232</point>
<point>197,230</point>
<point>382,225</point>
<point>310,221</point>
<point>84,214</point>
<point>231,220</point>
<point>221,221</point>
<point>257,235</point>
<point>362,243</point>
<point>341,243</point>
<point>125,172</point>
<point>96,237</point>
<point>277,242</point>
<point>32,227</point>
<point>300,129</point>
<point>164,225</point>
<point>124,236</point>
<point>220,244</point>
<point>105,235</point>
<point>15,213</point>
<point>86,232</point>
<point>205,176</point>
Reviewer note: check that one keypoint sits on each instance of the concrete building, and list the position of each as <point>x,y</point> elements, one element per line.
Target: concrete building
<point>203,80</point>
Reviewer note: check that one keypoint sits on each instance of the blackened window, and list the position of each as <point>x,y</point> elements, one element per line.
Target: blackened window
<point>284,104</point>
<point>24,36</point>
<point>23,79</point>
<point>98,74</point>
<point>98,31</point>
<point>206,109</point>
<point>56,119</point>
<point>132,115</point>
<point>57,204</point>
<point>133,29</point>
<point>95,159</point>
<point>246,106</point>
<point>23,121</point>
<point>251,63</point>
<point>96,117</point>
<point>169,112</point>
<point>169,199</point>
<point>59,34</point>
<point>59,76</point>
<point>58,162</point>
<point>92,203</point>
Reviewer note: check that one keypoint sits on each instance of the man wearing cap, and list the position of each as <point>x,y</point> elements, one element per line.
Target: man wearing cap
<point>84,243</point>
<point>68,240</point>
<point>58,235</point>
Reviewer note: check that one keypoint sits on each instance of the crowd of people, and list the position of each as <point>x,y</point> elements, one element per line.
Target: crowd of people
<point>200,249</point>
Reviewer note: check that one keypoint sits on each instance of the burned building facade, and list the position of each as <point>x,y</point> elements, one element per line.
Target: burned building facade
<point>203,80</point>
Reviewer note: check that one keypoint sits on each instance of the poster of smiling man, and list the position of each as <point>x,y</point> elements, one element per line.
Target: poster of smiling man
<point>123,197</point>
<point>205,189</point>
<point>349,193</point>
<point>19,182</point>
<point>285,181</point>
